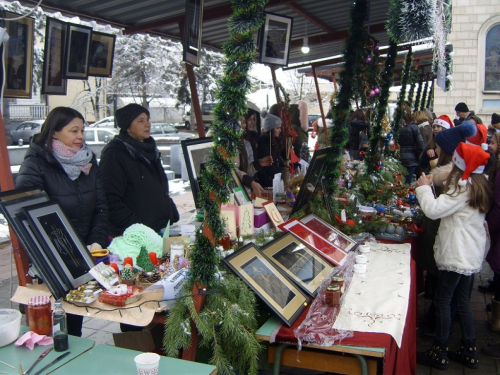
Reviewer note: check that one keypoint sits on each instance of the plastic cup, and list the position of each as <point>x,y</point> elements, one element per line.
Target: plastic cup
<point>147,363</point>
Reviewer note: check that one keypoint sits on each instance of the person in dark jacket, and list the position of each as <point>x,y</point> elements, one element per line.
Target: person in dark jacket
<point>358,137</point>
<point>463,113</point>
<point>411,143</point>
<point>59,162</point>
<point>270,145</point>
<point>135,182</point>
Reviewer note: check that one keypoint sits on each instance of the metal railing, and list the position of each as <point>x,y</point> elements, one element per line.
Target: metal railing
<point>28,112</point>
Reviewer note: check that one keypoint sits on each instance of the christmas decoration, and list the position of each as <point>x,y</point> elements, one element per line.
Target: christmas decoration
<point>144,261</point>
<point>304,152</point>
<point>401,98</point>
<point>127,273</point>
<point>430,97</point>
<point>419,94</point>
<point>424,94</point>
<point>412,81</point>
<point>410,20</point>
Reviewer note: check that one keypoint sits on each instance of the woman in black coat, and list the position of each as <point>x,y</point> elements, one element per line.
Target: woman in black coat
<point>135,182</point>
<point>59,162</point>
<point>411,143</point>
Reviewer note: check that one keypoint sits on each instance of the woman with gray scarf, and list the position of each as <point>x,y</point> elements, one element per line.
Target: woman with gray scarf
<point>59,162</point>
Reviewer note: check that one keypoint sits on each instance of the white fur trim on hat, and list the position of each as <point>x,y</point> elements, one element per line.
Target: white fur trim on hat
<point>441,123</point>
<point>484,146</point>
<point>460,163</point>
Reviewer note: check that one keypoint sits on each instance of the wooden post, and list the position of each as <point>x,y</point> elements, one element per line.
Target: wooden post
<point>7,183</point>
<point>320,102</point>
<point>195,101</point>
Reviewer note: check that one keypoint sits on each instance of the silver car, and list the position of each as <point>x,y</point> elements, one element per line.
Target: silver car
<point>99,135</point>
<point>25,131</point>
<point>167,133</point>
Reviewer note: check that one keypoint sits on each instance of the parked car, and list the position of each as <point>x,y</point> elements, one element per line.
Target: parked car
<point>167,133</point>
<point>25,131</point>
<point>206,114</point>
<point>311,119</point>
<point>99,135</point>
<point>106,122</point>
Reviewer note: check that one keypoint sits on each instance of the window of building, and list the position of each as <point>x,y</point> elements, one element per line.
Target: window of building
<point>492,60</point>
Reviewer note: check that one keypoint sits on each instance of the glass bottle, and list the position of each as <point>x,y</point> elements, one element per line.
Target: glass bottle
<point>59,328</point>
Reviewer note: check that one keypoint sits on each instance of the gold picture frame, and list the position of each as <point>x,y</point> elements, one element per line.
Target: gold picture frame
<point>268,282</point>
<point>299,262</point>
<point>18,56</point>
<point>102,49</point>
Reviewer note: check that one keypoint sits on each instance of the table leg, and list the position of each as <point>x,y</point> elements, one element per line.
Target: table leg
<point>362,363</point>
<point>277,358</point>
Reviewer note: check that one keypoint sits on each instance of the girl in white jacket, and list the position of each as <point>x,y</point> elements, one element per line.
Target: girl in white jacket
<point>459,248</point>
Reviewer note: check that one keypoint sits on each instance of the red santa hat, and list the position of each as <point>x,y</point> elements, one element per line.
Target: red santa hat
<point>480,138</point>
<point>470,159</point>
<point>443,121</point>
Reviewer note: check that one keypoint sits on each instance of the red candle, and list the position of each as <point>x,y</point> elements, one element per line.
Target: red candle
<point>115,267</point>
<point>128,260</point>
<point>152,256</point>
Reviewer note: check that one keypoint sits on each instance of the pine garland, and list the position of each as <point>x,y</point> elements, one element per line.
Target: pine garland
<point>401,98</point>
<point>424,95</point>
<point>372,159</point>
<point>410,20</point>
<point>419,94</point>
<point>354,55</point>
<point>413,83</point>
<point>430,101</point>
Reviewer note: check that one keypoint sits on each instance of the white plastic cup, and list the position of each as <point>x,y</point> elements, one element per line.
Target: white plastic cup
<point>359,268</point>
<point>364,248</point>
<point>147,363</point>
<point>361,259</point>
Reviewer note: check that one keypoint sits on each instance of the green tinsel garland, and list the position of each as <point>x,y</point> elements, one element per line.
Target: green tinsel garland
<point>354,56</point>
<point>419,94</point>
<point>413,83</point>
<point>430,101</point>
<point>401,98</point>
<point>373,155</point>
<point>424,95</point>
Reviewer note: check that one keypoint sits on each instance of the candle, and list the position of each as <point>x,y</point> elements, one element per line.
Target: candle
<point>152,256</point>
<point>128,260</point>
<point>115,267</point>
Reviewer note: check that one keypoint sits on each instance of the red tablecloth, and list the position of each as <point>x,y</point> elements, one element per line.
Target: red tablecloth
<point>397,361</point>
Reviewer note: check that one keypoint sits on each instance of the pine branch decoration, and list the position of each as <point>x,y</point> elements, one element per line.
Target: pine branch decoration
<point>429,103</point>
<point>401,98</point>
<point>419,93</point>
<point>424,95</point>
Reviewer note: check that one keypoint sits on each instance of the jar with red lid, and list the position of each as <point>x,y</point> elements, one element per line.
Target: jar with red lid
<point>40,315</point>
<point>332,295</point>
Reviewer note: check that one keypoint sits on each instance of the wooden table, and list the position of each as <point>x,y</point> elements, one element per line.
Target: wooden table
<point>110,360</point>
<point>359,359</point>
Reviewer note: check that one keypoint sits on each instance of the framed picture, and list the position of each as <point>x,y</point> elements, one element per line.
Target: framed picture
<point>78,40</point>
<point>327,231</point>
<point>312,179</point>
<point>102,49</point>
<point>322,246</point>
<point>299,262</point>
<point>276,34</point>
<point>60,242</point>
<point>268,282</point>
<point>11,203</point>
<point>196,153</point>
<point>193,24</point>
<point>53,81</point>
<point>18,56</point>
<point>273,213</point>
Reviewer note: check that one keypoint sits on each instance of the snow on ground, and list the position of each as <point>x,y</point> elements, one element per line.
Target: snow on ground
<point>4,228</point>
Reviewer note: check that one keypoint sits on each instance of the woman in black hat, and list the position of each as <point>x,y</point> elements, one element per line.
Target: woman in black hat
<point>135,182</point>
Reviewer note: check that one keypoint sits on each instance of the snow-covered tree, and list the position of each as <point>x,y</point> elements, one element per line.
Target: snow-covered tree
<point>299,85</point>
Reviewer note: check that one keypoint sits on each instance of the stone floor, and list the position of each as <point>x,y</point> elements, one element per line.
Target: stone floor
<point>101,330</point>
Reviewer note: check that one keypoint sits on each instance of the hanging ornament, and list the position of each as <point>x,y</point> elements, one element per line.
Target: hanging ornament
<point>368,59</point>
<point>377,90</point>
<point>371,94</point>
<point>391,142</point>
<point>376,47</point>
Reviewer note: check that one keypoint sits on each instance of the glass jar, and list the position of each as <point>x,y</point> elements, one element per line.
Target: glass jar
<point>40,315</point>
<point>332,297</point>
<point>176,249</point>
<point>339,280</point>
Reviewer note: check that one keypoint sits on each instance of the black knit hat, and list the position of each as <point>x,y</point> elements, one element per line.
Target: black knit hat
<point>495,118</point>
<point>125,115</point>
<point>461,107</point>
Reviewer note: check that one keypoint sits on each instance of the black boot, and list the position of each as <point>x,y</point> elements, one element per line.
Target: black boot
<point>436,357</point>
<point>467,354</point>
<point>488,288</point>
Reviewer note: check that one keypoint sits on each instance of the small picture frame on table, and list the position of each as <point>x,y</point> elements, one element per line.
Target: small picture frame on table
<point>193,24</point>
<point>276,34</point>
<point>102,49</point>
<point>18,56</point>
<point>60,242</point>
<point>268,282</point>
<point>53,81</point>
<point>322,246</point>
<point>78,40</point>
<point>329,232</point>
<point>273,213</point>
<point>299,262</point>
<point>196,152</point>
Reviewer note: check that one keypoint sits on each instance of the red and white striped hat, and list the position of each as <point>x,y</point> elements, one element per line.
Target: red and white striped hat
<point>470,159</point>
<point>443,121</point>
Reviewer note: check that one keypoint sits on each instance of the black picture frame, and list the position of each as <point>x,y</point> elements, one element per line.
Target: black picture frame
<point>60,242</point>
<point>193,25</point>
<point>285,298</point>
<point>275,42</point>
<point>102,50</point>
<point>76,65</point>
<point>299,262</point>
<point>312,178</point>
<point>53,81</point>
<point>18,56</point>
<point>196,152</point>
<point>11,203</point>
